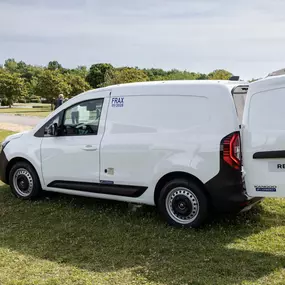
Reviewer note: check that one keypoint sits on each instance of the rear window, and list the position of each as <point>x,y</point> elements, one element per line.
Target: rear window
<point>266,111</point>
<point>239,96</point>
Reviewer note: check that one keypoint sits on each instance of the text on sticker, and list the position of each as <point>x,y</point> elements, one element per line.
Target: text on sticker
<point>118,102</point>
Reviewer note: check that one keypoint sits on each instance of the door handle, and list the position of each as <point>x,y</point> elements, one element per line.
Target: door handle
<point>89,148</point>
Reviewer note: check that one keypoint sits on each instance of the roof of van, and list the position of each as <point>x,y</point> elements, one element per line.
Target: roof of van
<point>227,83</point>
<point>267,83</point>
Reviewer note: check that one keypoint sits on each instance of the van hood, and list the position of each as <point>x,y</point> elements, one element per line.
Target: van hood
<point>15,136</point>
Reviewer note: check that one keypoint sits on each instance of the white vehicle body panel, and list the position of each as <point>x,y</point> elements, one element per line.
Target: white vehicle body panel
<point>263,138</point>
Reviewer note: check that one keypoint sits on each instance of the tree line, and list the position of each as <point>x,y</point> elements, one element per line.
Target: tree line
<point>22,82</point>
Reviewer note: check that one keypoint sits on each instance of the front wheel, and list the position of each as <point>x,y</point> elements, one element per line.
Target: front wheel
<point>24,181</point>
<point>182,203</point>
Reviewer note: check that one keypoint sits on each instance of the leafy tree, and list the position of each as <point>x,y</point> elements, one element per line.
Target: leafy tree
<point>32,86</point>
<point>52,80</point>
<point>27,71</point>
<point>125,75</point>
<point>11,65</point>
<point>155,74</point>
<point>201,76</point>
<point>97,73</point>
<point>50,84</point>
<point>12,87</point>
<point>175,74</point>
<point>54,65</point>
<point>219,74</point>
<point>77,84</point>
<point>80,71</point>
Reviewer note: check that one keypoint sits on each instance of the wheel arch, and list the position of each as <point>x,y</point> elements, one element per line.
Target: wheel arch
<point>13,161</point>
<point>177,175</point>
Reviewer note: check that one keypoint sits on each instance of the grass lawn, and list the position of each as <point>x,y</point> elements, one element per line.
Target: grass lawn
<point>72,240</point>
<point>26,111</point>
<point>4,134</point>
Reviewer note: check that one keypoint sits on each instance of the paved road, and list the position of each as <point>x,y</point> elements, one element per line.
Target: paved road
<point>20,120</point>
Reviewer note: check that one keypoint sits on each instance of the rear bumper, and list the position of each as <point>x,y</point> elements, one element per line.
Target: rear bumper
<point>227,193</point>
<point>251,203</point>
<point>3,167</point>
<point>235,203</point>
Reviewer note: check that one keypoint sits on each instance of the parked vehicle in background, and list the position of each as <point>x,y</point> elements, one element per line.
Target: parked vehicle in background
<point>174,145</point>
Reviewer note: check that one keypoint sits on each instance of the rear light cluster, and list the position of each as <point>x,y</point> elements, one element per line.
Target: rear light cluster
<point>231,150</point>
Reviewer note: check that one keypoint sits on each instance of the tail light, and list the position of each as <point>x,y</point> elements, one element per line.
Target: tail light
<point>231,150</point>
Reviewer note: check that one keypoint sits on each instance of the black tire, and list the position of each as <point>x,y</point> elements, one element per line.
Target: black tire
<point>24,181</point>
<point>182,203</point>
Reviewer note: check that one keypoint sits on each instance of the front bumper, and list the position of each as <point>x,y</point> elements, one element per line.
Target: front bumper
<point>3,167</point>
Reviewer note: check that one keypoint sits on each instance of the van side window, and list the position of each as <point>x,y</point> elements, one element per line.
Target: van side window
<point>82,118</point>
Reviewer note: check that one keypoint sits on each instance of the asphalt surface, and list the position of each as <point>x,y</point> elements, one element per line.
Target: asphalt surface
<point>20,120</point>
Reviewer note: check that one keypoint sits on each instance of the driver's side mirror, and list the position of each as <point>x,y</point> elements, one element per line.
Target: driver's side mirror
<point>52,130</point>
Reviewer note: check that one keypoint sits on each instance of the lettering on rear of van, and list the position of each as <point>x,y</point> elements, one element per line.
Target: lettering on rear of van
<point>276,166</point>
<point>265,188</point>
<point>118,102</point>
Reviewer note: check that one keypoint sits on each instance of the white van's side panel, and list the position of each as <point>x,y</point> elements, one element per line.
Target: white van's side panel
<point>170,129</point>
<point>149,129</point>
<point>263,144</point>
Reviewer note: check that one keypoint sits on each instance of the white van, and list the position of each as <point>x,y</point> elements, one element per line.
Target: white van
<point>263,132</point>
<point>172,144</point>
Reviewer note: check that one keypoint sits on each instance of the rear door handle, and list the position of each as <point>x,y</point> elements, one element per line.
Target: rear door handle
<point>89,148</point>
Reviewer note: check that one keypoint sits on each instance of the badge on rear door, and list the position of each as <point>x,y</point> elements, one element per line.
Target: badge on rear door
<point>266,188</point>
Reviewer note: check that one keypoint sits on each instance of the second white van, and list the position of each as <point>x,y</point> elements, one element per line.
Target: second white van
<point>174,145</point>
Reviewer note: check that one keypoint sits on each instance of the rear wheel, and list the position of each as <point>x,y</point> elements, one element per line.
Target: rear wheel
<point>182,203</point>
<point>24,181</point>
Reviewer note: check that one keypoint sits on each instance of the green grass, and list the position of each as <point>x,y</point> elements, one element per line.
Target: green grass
<point>4,134</point>
<point>26,111</point>
<point>72,240</point>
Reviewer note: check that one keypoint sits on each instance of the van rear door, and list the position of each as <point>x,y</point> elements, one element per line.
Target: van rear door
<point>263,138</point>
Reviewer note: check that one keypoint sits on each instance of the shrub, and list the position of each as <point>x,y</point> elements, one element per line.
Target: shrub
<point>4,102</point>
<point>35,99</point>
<point>22,100</point>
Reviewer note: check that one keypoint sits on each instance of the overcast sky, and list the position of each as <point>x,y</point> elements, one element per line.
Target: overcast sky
<point>245,37</point>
